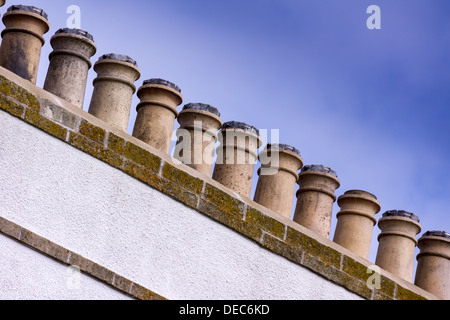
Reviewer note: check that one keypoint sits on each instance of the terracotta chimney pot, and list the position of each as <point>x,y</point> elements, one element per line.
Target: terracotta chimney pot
<point>23,38</point>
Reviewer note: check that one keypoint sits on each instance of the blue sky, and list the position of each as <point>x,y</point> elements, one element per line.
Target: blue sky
<point>371,104</point>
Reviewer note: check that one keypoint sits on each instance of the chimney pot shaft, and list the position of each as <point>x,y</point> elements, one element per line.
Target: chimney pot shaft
<point>237,156</point>
<point>278,175</point>
<point>113,89</point>
<point>157,111</point>
<point>316,197</point>
<point>69,65</point>
<point>356,220</point>
<point>197,136</point>
<point>397,243</point>
<point>433,264</point>
<point>23,38</point>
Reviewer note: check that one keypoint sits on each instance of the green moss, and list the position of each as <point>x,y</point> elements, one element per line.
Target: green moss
<point>268,224</point>
<point>230,219</point>
<point>143,157</point>
<point>289,252</point>
<point>355,269</point>
<point>11,107</point>
<point>224,201</point>
<point>406,294</point>
<point>37,120</point>
<point>116,143</point>
<point>92,132</point>
<point>17,93</point>
<point>313,247</point>
<point>94,149</point>
<point>141,173</point>
<point>182,178</point>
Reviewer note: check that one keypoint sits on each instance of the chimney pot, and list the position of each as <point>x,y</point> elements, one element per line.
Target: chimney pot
<point>23,38</point>
<point>113,89</point>
<point>236,156</point>
<point>157,112</point>
<point>201,122</point>
<point>356,220</point>
<point>277,178</point>
<point>433,264</point>
<point>397,243</point>
<point>316,197</point>
<point>69,64</point>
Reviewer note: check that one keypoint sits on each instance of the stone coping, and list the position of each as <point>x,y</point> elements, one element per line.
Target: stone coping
<point>69,258</point>
<point>43,110</point>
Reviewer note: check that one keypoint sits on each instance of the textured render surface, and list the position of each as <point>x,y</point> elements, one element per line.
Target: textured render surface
<point>87,206</point>
<point>27,274</point>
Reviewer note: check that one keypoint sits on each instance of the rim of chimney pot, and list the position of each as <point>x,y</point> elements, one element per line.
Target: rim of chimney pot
<point>202,107</point>
<point>360,192</point>
<point>19,7</point>
<point>442,234</point>
<point>284,147</point>
<point>163,83</point>
<point>319,168</point>
<point>240,125</point>
<point>78,32</point>
<point>119,57</point>
<point>401,213</point>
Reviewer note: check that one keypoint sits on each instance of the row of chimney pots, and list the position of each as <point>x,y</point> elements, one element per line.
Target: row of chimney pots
<point>114,87</point>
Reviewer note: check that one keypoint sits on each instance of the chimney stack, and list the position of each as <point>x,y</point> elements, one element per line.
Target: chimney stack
<point>199,123</point>
<point>356,220</point>
<point>316,197</point>
<point>397,243</point>
<point>23,38</point>
<point>236,157</point>
<point>278,177</point>
<point>433,264</point>
<point>157,112</point>
<point>113,89</point>
<point>69,65</point>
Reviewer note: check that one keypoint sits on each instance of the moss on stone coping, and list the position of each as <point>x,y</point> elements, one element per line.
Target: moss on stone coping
<point>17,93</point>
<point>46,125</point>
<point>92,132</point>
<point>11,107</point>
<point>195,193</point>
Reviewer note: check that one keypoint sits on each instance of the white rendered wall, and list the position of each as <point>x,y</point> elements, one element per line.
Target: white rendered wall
<point>99,212</point>
<point>27,274</point>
